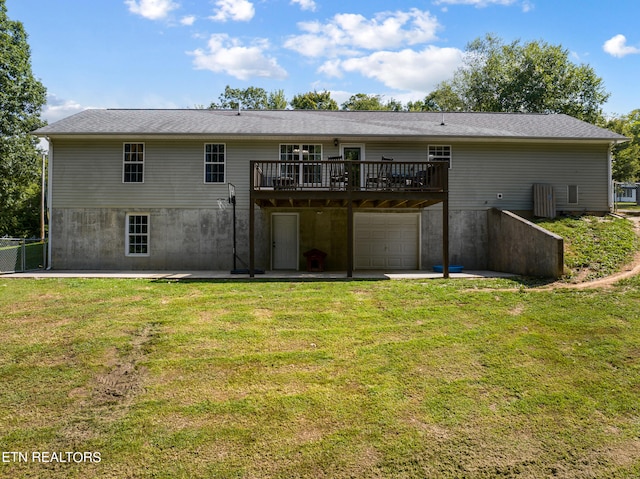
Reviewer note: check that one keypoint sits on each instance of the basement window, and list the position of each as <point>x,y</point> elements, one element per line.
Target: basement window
<point>137,235</point>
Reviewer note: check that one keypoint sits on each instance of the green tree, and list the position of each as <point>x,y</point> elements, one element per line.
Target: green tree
<point>21,99</point>
<point>442,99</point>
<point>251,98</point>
<point>533,77</point>
<point>314,100</point>
<point>363,101</point>
<point>277,100</point>
<point>626,156</point>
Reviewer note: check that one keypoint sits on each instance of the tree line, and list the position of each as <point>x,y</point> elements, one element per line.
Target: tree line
<point>531,77</point>
<point>527,77</point>
<point>22,97</point>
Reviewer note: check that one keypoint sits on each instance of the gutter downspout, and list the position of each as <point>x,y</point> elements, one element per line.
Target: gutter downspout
<point>610,176</point>
<point>49,201</point>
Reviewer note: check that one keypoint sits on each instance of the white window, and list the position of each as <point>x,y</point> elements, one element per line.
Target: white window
<point>214,162</point>
<point>137,234</point>
<point>133,163</point>
<point>439,153</point>
<point>572,194</point>
<point>294,154</point>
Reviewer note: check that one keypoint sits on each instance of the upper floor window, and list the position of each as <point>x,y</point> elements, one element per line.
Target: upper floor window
<point>439,153</point>
<point>214,162</point>
<point>133,163</point>
<point>309,173</point>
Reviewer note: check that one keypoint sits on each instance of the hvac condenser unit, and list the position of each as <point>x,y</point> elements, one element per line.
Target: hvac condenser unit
<point>544,201</point>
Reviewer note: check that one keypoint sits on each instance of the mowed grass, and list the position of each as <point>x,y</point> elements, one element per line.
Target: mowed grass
<point>594,246</point>
<point>442,379</point>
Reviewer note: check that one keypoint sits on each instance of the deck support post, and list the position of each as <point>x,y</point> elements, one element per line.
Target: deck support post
<point>252,225</point>
<point>349,168</point>
<point>445,226</point>
<point>350,239</point>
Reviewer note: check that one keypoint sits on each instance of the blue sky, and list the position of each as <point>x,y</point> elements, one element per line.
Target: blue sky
<point>182,53</point>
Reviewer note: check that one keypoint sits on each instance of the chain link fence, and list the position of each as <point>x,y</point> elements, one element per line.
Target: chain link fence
<point>18,254</point>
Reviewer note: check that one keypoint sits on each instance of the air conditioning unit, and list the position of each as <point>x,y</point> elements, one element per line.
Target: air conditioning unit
<point>544,201</point>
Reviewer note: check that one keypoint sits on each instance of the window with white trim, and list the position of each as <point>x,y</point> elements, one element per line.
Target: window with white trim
<point>295,155</point>
<point>133,163</point>
<point>214,162</point>
<point>137,234</point>
<point>439,153</point>
<point>572,194</point>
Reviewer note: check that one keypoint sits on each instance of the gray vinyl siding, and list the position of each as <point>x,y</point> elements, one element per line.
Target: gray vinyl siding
<point>88,173</point>
<point>480,171</point>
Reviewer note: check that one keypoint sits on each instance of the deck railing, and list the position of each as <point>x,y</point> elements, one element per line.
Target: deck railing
<point>384,175</point>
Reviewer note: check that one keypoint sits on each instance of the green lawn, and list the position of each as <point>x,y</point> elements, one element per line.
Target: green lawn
<point>443,379</point>
<point>594,247</point>
<point>627,206</point>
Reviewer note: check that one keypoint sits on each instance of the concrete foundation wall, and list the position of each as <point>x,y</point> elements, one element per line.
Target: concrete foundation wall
<point>202,239</point>
<point>521,247</point>
<point>326,230</point>
<point>468,238</point>
<point>179,239</point>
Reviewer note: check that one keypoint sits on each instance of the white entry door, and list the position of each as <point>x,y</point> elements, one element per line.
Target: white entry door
<point>387,241</point>
<point>284,241</point>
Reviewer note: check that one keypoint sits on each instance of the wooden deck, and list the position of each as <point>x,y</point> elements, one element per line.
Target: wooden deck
<point>350,185</point>
<point>366,184</point>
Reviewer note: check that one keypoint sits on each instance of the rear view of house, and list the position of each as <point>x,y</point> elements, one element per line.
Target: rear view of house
<point>149,189</point>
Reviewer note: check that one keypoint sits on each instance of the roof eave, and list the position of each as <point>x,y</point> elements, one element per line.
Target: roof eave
<point>328,137</point>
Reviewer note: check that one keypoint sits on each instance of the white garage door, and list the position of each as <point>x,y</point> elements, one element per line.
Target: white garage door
<point>386,240</point>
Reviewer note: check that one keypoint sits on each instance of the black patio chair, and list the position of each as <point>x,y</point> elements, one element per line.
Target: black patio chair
<point>337,175</point>
<point>381,179</point>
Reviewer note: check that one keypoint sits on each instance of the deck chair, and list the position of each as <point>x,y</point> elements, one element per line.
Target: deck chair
<point>286,175</point>
<point>381,177</point>
<point>337,175</point>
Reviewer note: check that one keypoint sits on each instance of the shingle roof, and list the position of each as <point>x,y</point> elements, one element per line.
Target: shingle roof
<point>326,123</point>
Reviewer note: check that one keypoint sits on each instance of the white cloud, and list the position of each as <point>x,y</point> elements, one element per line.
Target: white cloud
<point>527,6</point>
<point>188,20</point>
<point>305,4</point>
<point>407,70</point>
<point>151,9</point>
<point>348,33</point>
<point>617,47</point>
<point>238,10</point>
<point>227,55</point>
<point>332,68</point>
<point>58,108</point>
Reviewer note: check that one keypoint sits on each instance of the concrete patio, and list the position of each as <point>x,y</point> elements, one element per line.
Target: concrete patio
<point>267,276</point>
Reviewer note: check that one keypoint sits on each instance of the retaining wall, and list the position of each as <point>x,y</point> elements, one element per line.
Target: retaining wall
<point>521,247</point>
